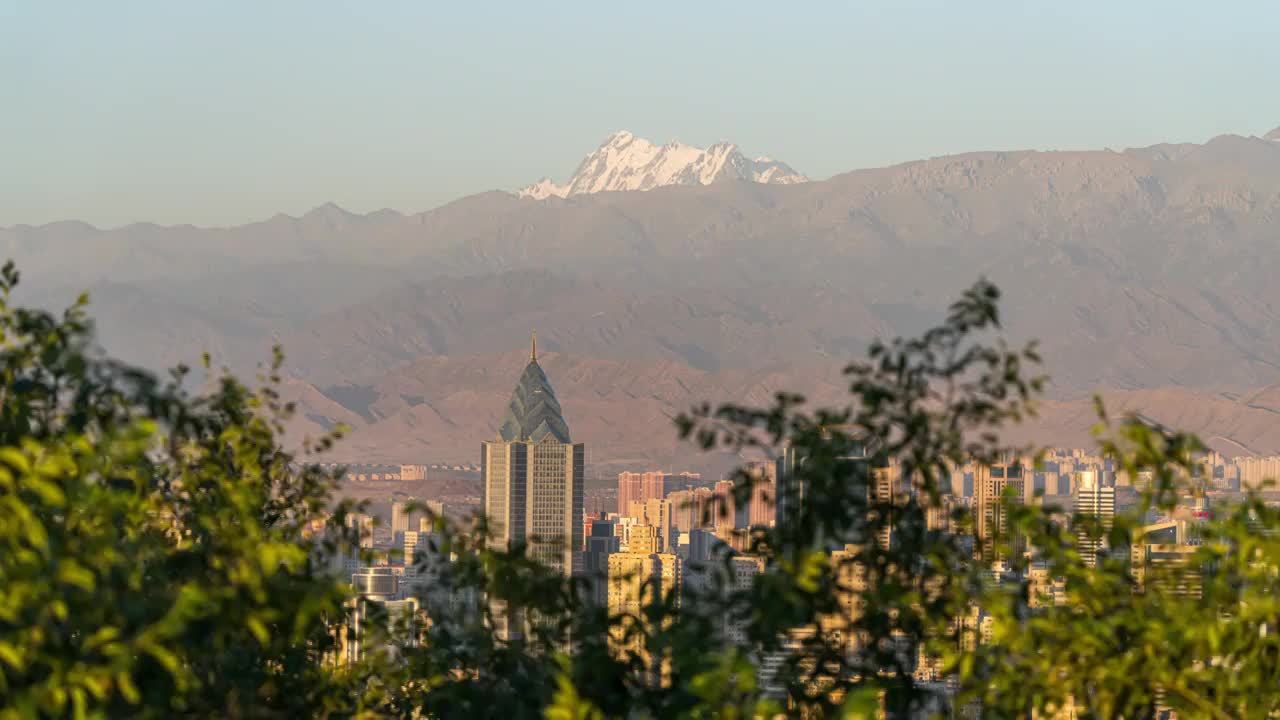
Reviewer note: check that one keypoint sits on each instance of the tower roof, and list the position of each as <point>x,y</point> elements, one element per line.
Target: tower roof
<point>533,412</point>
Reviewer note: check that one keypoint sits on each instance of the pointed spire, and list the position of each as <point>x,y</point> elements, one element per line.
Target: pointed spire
<point>533,350</point>
<point>533,412</point>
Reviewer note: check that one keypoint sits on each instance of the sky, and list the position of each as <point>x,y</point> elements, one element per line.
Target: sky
<point>222,113</point>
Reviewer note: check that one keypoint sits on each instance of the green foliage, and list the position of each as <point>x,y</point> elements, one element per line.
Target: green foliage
<point>155,561</point>
<point>151,552</point>
<point>1124,646</point>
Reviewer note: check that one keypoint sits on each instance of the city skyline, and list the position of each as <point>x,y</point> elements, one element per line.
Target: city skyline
<point>893,360</point>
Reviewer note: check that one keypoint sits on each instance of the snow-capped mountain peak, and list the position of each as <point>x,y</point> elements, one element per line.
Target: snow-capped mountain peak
<point>626,162</point>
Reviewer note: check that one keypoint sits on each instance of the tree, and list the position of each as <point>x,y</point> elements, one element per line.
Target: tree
<point>152,558</point>
<point>157,558</point>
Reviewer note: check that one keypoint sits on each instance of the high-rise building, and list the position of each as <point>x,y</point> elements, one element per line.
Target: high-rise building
<point>706,505</point>
<point>938,515</point>
<point>1043,589</point>
<point>656,485</point>
<point>700,546</point>
<point>713,568</point>
<point>409,540</point>
<point>630,489</point>
<point>841,626</point>
<point>682,511</point>
<point>399,517</point>
<point>644,540</point>
<point>722,511</point>
<point>1163,559</point>
<point>882,493</point>
<point>1093,500</point>
<point>790,486</point>
<point>852,465</point>
<point>601,543</point>
<point>426,522</point>
<point>379,617</point>
<point>991,519</point>
<point>636,580</point>
<point>425,566</point>
<point>532,476</point>
<point>658,513</point>
<point>646,486</point>
<point>764,481</point>
<point>362,525</point>
<point>1256,472</point>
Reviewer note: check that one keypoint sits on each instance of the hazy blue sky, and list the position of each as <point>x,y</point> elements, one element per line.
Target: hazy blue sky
<point>225,112</point>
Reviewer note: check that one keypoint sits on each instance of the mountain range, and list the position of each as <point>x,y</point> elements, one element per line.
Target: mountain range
<point>1147,274</point>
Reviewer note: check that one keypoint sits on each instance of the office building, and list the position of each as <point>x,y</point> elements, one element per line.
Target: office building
<point>1094,501</point>
<point>994,485</point>
<point>532,475</point>
<point>532,479</point>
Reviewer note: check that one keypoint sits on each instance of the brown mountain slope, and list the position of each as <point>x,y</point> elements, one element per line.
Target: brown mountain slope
<point>705,327</point>
<point>1145,268</point>
<point>1232,425</point>
<point>438,409</point>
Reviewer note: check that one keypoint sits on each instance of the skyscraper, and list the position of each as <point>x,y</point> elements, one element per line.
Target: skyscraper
<point>532,475</point>
<point>1094,500</point>
<point>991,518</point>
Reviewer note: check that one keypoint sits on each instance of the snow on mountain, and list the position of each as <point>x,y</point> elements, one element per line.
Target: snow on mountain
<point>626,162</point>
<point>1273,135</point>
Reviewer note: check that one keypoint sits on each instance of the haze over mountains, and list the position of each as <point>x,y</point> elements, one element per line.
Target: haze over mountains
<point>1149,272</point>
